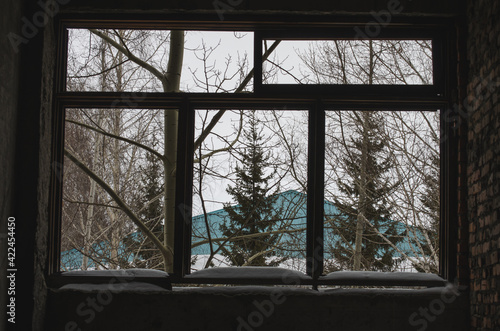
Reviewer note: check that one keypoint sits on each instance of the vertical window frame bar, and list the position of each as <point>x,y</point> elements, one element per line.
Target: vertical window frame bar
<point>184,191</point>
<point>57,153</point>
<point>257,61</point>
<point>315,191</point>
<point>448,226</point>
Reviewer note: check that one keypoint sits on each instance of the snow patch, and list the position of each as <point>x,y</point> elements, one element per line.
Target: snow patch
<point>129,273</point>
<point>248,272</point>
<point>200,261</point>
<point>375,276</point>
<point>115,288</point>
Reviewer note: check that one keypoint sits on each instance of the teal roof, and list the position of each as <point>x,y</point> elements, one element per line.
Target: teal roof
<point>291,207</point>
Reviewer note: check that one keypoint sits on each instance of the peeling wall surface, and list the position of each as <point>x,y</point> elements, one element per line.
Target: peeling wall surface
<point>116,307</point>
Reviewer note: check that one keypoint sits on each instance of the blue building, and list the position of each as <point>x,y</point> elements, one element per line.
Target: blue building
<point>291,213</point>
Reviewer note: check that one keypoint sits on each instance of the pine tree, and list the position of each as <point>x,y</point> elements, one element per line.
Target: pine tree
<point>254,212</point>
<point>430,200</point>
<point>359,245</point>
<point>150,206</point>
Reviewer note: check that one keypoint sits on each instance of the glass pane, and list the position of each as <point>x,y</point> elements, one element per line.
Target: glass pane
<point>382,191</point>
<point>137,60</point>
<point>368,62</point>
<point>249,189</point>
<point>123,150</point>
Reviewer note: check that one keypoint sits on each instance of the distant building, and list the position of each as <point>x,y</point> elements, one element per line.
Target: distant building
<point>291,207</point>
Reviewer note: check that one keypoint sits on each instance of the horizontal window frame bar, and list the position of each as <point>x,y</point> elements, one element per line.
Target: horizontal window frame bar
<point>352,32</point>
<point>376,92</point>
<point>133,100</point>
<point>245,21</point>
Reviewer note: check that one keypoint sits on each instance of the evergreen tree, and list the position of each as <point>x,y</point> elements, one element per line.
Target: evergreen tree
<point>430,200</point>
<point>359,246</point>
<point>150,206</point>
<point>254,212</point>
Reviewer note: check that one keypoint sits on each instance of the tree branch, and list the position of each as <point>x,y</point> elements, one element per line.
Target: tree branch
<point>246,236</point>
<point>158,155</point>
<point>129,54</point>
<point>123,206</point>
<point>240,88</point>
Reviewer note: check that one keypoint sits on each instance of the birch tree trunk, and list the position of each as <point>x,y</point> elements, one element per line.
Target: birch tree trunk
<point>171,84</point>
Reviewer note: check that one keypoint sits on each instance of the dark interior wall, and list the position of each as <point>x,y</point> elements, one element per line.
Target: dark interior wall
<point>106,307</point>
<point>45,169</point>
<point>484,162</point>
<point>28,75</point>
<point>9,66</point>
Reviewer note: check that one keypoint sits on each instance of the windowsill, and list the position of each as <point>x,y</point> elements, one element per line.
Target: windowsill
<point>240,273</point>
<point>376,278</point>
<point>160,280</point>
<point>112,278</point>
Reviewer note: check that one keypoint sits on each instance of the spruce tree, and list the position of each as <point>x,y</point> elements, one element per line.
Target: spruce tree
<point>430,201</point>
<point>254,211</point>
<point>150,211</point>
<point>359,245</point>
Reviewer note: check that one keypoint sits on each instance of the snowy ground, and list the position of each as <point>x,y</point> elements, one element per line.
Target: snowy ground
<point>292,264</point>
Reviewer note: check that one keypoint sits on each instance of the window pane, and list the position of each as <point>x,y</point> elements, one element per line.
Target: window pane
<point>123,148</point>
<point>249,188</point>
<point>382,191</point>
<point>368,62</point>
<point>137,60</point>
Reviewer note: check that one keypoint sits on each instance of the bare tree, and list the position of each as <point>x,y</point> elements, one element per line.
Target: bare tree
<point>140,67</point>
<point>408,136</point>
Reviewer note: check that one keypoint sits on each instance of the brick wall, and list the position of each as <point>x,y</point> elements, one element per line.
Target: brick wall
<point>483,169</point>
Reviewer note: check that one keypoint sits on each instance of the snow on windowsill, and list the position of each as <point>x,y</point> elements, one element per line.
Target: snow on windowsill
<point>130,273</point>
<point>372,277</point>
<point>114,287</point>
<point>248,273</point>
<point>121,280</point>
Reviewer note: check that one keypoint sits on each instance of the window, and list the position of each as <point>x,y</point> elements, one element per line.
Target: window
<point>349,62</point>
<point>309,150</point>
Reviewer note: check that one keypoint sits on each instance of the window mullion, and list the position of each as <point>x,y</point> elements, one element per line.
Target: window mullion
<point>315,200</point>
<point>184,174</point>
<point>257,62</point>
